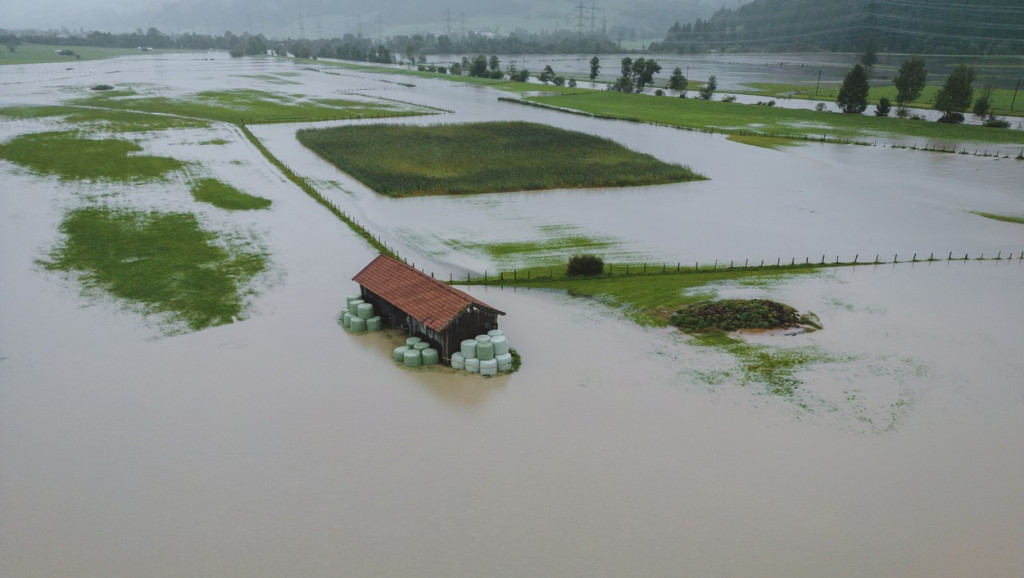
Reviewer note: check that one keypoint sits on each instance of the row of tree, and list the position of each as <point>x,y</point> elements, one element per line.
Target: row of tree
<point>902,26</point>
<point>955,96</point>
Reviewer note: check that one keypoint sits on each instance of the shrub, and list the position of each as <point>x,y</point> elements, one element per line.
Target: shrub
<point>883,107</point>
<point>993,122</point>
<point>820,107</point>
<point>729,98</point>
<point>659,92</point>
<point>732,314</point>
<point>585,265</point>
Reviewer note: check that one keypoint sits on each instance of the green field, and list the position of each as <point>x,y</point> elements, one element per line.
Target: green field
<point>733,118</point>
<point>226,197</point>
<point>1001,98</point>
<point>42,53</point>
<point>163,262</point>
<point>484,157</point>
<point>71,156</point>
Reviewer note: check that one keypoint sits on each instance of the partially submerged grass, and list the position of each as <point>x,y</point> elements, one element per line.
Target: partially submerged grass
<point>163,262</point>
<point>768,142</point>
<point>774,367</point>
<point>226,197</point>
<point>551,246</point>
<point>484,157</point>
<point>252,106</point>
<point>733,314</point>
<point>71,157</point>
<point>997,217</point>
<point>107,120</point>
<point>733,118</point>
<point>1001,98</point>
<point>40,53</point>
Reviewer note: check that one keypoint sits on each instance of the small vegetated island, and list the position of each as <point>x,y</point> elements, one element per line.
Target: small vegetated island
<point>401,160</point>
<point>736,314</point>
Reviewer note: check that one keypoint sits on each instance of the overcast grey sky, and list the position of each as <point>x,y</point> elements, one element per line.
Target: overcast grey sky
<point>336,17</point>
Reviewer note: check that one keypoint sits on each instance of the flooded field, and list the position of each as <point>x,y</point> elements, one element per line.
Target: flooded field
<point>282,445</point>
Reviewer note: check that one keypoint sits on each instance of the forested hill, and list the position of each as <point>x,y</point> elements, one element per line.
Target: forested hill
<point>908,26</point>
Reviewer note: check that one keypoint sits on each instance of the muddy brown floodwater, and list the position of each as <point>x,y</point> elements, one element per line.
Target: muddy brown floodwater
<point>284,446</point>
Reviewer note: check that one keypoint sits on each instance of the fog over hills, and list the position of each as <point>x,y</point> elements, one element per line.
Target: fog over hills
<point>627,19</point>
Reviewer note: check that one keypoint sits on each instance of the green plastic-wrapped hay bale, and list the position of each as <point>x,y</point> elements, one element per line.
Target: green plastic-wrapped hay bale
<point>412,341</point>
<point>500,344</point>
<point>351,298</point>
<point>483,338</point>
<point>421,345</point>
<point>353,306</point>
<point>492,333</point>
<point>364,310</point>
<point>458,361</point>
<point>488,367</point>
<point>504,361</point>
<point>412,358</point>
<point>468,348</point>
<point>357,324</point>
<point>346,320</point>
<point>429,356</point>
<point>400,352</point>
<point>374,324</point>
<point>472,365</point>
<point>485,351</point>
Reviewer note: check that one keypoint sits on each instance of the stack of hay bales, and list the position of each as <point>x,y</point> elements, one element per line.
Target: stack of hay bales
<point>485,354</point>
<point>359,316</point>
<point>416,352</point>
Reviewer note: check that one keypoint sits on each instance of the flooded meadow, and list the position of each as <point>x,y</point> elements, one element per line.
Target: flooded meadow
<point>280,444</point>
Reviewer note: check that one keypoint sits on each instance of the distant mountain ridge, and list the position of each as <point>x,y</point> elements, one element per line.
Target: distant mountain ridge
<point>900,26</point>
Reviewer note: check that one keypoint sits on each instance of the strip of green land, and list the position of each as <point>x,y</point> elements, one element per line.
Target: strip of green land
<point>734,118</point>
<point>484,157</point>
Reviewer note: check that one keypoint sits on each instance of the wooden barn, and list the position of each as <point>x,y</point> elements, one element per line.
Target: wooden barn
<point>408,299</point>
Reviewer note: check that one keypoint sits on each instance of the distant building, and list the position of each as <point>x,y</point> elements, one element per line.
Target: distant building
<point>440,314</point>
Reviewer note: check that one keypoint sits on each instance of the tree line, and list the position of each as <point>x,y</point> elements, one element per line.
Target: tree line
<point>904,26</point>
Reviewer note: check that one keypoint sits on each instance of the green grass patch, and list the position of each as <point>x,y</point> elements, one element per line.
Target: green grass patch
<point>71,157</point>
<point>226,197</point>
<point>774,367</point>
<point>252,106</point>
<point>649,294</point>
<point>107,120</point>
<point>768,142</point>
<point>162,262</point>
<point>997,217</point>
<point>41,53</point>
<point>734,118</point>
<point>1001,99</point>
<point>483,158</point>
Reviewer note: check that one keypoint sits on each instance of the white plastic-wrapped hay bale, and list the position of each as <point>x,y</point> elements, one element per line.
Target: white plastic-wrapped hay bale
<point>494,332</point>
<point>504,361</point>
<point>429,356</point>
<point>351,298</point>
<point>357,324</point>
<point>374,323</point>
<point>400,352</point>
<point>412,358</point>
<point>485,351</point>
<point>364,310</point>
<point>472,365</point>
<point>412,341</point>
<point>458,361</point>
<point>353,306</point>
<point>421,345</point>
<point>488,367</point>
<point>500,343</point>
<point>346,319</point>
<point>468,348</point>
<point>483,338</point>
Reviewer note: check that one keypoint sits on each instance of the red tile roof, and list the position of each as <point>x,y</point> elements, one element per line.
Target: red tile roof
<point>427,300</point>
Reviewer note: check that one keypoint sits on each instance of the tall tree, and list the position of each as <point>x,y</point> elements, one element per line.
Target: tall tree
<point>870,56</point>
<point>709,88</point>
<point>956,95</point>
<point>677,81</point>
<point>853,94</point>
<point>910,80</point>
<point>644,70</point>
<point>595,67</point>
